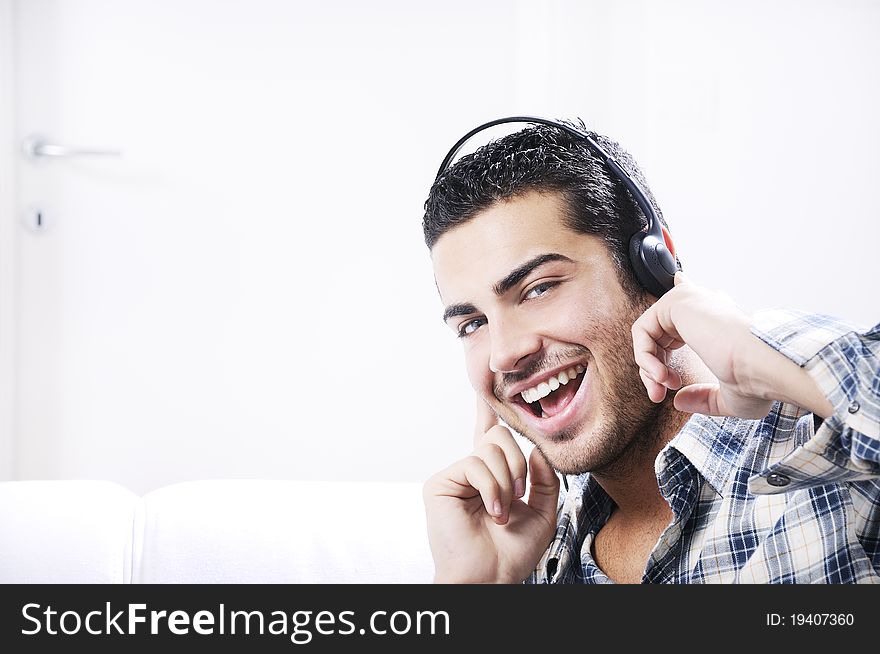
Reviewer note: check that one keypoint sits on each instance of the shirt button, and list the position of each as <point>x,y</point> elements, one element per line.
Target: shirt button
<point>853,407</point>
<point>775,479</point>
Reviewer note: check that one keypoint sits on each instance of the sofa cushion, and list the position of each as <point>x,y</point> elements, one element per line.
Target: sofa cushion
<point>255,531</point>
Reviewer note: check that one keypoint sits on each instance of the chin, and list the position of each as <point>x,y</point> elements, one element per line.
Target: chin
<point>569,455</point>
<point>571,451</point>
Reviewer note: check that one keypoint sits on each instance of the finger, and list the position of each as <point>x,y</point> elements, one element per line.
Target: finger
<point>466,479</point>
<point>493,457</point>
<point>543,486</point>
<point>486,418</point>
<point>651,350</point>
<point>656,391</point>
<point>698,398</point>
<point>516,461</point>
<point>646,335</point>
<point>650,358</point>
<point>656,325</point>
<point>670,377</point>
<point>681,278</point>
<point>673,377</point>
<point>650,337</point>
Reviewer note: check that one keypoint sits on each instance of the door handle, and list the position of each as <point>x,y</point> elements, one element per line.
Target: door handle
<point>36,147</point>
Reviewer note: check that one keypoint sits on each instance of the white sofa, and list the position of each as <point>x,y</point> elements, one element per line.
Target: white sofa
<point>225,531</point>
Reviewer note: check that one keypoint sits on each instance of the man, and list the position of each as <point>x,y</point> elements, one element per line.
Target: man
<point>625,396</point>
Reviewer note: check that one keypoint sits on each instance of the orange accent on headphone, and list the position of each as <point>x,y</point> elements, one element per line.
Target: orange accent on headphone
<point>668,239</point>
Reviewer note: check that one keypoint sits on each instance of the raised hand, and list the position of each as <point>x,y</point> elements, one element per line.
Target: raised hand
<point>750,374</point>
<point>479,527</point>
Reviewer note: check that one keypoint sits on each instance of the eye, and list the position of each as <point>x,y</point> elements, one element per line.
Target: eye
<point>469,327</point>
<point>539,290</point>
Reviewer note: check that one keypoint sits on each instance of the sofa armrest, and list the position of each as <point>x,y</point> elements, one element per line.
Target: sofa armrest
<point>66,532</point>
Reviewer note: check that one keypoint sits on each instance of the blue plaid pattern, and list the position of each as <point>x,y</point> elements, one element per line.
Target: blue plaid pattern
<point>787,499</point>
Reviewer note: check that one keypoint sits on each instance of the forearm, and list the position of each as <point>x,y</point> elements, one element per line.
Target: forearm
<point>817,363</point>
<point>773,376</point>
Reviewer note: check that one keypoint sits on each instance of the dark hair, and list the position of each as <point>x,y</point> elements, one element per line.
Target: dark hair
<point>545,159</point>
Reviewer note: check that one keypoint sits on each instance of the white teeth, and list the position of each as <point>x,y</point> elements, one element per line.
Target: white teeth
<point>546,387</point>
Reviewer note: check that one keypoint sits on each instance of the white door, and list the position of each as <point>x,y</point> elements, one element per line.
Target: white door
<point>235,294</point>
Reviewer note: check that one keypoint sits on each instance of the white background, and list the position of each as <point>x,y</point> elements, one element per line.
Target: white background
<point>246,293</point>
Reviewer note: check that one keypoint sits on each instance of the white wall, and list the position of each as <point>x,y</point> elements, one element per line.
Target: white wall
<point>315,349</point>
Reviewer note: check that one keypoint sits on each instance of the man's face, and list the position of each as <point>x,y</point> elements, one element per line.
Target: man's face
<point>545,325</point>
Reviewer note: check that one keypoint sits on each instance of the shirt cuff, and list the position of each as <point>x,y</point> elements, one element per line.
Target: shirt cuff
<point>833,354</point>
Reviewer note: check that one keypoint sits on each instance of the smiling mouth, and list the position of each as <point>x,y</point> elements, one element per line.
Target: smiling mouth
<point>552,395</point>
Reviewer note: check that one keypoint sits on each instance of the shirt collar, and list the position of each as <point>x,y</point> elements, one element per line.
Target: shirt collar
<point>712,445</point>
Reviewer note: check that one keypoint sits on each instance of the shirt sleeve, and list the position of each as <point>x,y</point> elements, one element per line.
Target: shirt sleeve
<point>845,363</point>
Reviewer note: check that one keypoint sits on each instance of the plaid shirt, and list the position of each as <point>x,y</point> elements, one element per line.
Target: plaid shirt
<point>786,499</point>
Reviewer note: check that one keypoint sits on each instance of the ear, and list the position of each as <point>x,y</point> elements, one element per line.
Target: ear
<point>668,239</point>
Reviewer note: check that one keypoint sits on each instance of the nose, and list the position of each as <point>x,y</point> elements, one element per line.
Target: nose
<point>511,345</point>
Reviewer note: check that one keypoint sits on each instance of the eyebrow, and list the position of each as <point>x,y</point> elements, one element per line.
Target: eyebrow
<point>510,280</point>
<point>464,309</point>
<point>519,273</point>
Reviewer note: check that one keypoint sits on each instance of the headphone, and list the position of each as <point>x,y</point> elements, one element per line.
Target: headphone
<point>653,263</point>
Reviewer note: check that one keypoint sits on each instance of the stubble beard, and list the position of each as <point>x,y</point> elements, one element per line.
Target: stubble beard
<point>628,427</point>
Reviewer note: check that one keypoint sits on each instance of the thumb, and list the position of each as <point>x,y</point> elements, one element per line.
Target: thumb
<point>698,398</point>
<point>543,486</point>
<point>681,278</point>
<point>486,418</point>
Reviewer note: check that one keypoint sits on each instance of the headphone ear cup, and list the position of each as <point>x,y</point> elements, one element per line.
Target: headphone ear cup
<point>653,263</point>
